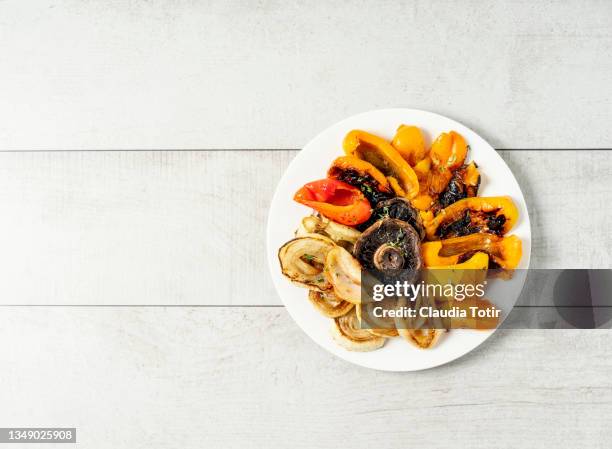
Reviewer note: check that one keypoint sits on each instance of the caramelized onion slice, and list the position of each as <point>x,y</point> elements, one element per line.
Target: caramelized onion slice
<point>328,304</point>
<point>377,325</point>
<point>344,274</point>
<point>419,332</point>
<point>342,235</point>
<point>302,260</point>
<point>347,333</point>
<point>422,338</point>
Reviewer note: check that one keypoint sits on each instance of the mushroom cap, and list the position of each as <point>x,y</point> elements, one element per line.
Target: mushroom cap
<point>400,209</point>
<point>391,249</point>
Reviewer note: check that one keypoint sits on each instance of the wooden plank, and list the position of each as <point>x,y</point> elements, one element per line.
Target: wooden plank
<point>188,227</point>
<point>236,378</point>
<point>173,74</point>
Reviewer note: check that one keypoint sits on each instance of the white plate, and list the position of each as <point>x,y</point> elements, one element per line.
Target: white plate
<point>312,163</point>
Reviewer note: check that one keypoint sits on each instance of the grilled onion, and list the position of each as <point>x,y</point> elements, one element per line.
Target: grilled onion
<point>380,326</point>
<point>343,272</point>
<point>342,235</point>
<point>328,304</point>
<point>422,338</point>
<point>302,260</point>
<point>346,333</point>
<point>419,331</point>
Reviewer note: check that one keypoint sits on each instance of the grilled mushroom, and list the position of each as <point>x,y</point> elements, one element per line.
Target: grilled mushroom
<point>400,209</point>
<point>390,248</point>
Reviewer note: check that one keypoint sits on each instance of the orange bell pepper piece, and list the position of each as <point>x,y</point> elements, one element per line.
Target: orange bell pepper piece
<point>447,153</point>
<point>381,154</point>
<point>496,205</point>
<point>409,142</point>
<point>505,251</point>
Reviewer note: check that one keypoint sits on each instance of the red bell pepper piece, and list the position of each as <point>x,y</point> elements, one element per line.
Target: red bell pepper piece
<point>335,200</point>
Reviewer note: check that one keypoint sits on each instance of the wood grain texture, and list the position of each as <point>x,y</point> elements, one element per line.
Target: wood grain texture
<point>188,227</point>
<point>169,74</point>
<point>249,378</point>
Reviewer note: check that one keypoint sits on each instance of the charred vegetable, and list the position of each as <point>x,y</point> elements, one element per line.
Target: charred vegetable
<point>335,200</point>
<point>447,154</point>
<point>373,322</point>
<point>505,252</point>
<point>348,333</point>
<point>495,215</point>
<point>342,235</point>
<point>328,304</point>
<point>409,142</point>
<point>431,255</point>
<point>400,209</point>
<point>302,260</point>
<point>364,176</point>
<point>390,248</point>
<point>384,157</point>
<point>344,274</point>
<point>463,184</point>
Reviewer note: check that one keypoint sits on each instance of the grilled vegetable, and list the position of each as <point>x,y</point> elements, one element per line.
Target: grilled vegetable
<point>364,176</point>
<point>479,261</point>
<point>348,334</point>
<point>495,215</point>
<point>335,200</point>
<point>344,274</point>
<point>384,157</point>
<point>390,248</point>
<point>505,252</point>
<point>400,209</point>
<point>381,326</point>
<point>409,142</point>
<point>431,255</point>
<point>342,235</point>
<point>421,338</point>
<point>447,153</point>
<point>463,184</point>
<point>302,260</point>
<point>328,304</point>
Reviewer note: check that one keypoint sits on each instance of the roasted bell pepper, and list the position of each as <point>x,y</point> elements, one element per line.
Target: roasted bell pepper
<point>384,157</point>
<point>447,153</point>
<point>504,251</point>
<point>496,215</point>
<point>431,255</point>
<point>479,261</point>
<point>422,202</point>
<point>422,169</point>
<point>364,176</point>
<point>335,200</point>
<point>463,184</point>
<point>409,142</point>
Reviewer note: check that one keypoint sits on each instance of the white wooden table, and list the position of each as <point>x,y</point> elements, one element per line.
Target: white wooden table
<point>238,87</point>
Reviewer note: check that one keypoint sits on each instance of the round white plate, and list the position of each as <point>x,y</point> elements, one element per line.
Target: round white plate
<point>312,163</point>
